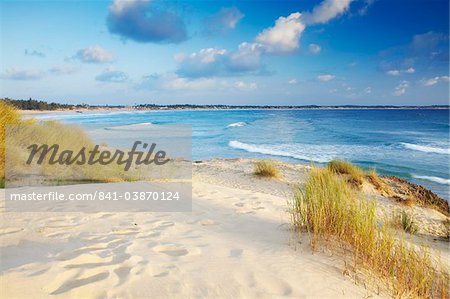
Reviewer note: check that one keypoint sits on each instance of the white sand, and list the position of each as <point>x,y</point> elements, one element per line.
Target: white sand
<point>236,243</point>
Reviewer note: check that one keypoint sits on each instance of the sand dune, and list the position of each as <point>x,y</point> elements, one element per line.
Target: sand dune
<point>235,243</point>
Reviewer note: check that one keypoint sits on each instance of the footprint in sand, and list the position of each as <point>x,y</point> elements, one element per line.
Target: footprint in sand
<point>172,250</point>
<point>72,284</point>
<point>122,273</point>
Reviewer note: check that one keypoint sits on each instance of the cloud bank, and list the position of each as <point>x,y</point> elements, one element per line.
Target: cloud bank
<point>280,39</point>
<point>139,21</point>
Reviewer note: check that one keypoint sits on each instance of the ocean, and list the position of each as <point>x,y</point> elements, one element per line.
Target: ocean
<point>412,144</point>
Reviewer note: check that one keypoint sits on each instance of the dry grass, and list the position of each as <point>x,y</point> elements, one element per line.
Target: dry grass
<point>334,215</point>
<point>8,116</point>
<point>409,201</point>
<point>407,222</point>
<point>68,137</point>
<point>378,183</point>
<point>266,168</point>
<point>354,175</point>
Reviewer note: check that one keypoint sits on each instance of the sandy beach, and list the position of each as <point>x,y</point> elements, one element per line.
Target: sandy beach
<point>236,242</point>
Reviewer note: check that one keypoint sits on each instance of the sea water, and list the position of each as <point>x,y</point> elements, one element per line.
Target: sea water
<point>412,144</point>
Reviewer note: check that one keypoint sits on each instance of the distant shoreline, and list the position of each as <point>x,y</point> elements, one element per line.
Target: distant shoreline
<point>225,108</point>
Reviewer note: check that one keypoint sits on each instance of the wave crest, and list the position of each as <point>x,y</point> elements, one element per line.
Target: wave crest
<point>238,124</point>
<point>274,150</point>
<point>432,179</point>
<point>427,148</point>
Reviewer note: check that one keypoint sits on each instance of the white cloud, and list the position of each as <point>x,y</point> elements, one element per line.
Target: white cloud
<point>174,82</point>
<point>206,62</point>
<point>246,58</point>
<point>293,81</point>
<point>325,77</point>
<point>410,70</point>
<point>368,90</point>
<point>220,62</point>
<point>93,54</point>
<point>111,75</point>
<point>284,36</point>
<point>242,86</point>
<point>401,88</point>
<point>21,74</point>
<point>209,55</point>
<point>435,80</point>
<point>63,70</point>
<point>326,11</point>
<point>314,48</point>
<point>393,72</point>
<point>34,53</point>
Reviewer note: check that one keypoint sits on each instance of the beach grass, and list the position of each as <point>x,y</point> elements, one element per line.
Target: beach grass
<point>354,174</point>
<point>335,216</point>
<point>266,168</point>
<point>378,183</point>
<point>405,221</point>
<point>8,116</point>
<point>68,137</point>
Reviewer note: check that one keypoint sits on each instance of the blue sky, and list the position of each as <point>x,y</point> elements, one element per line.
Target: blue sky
<point>330,52</point>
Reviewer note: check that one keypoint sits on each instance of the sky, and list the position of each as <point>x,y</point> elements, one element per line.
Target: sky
<point>284,52</point>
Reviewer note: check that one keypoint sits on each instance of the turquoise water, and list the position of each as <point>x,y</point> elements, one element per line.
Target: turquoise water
<point>412,144</point>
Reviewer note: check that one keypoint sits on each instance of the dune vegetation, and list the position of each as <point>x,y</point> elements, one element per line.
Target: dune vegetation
<point>8,116</point>
<point>266,168</point>
<point>336,216</point>
<point>68,137</point>
<point>353,174</point>
<point>405,221</point>
<point>378,183</point>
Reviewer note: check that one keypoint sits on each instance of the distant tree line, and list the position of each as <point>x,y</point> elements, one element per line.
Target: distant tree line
<point>31,104</point>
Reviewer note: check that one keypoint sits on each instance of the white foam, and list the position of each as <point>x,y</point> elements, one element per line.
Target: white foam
<point>427,148</point>
<point>433,179</point>
<point>238,124</point>
<point>131,127</point>
<point>280,151</point>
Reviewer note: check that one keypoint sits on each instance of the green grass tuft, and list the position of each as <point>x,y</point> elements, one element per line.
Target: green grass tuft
<point>406,222</point>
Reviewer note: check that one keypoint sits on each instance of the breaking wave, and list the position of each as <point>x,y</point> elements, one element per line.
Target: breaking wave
<point>433,179</point>
<point>427,148</point>
<point>277,150</point>
<point>238,124</point>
